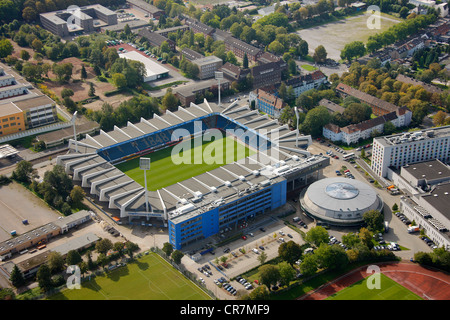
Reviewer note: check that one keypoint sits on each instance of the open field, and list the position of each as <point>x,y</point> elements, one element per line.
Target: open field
<point>149,278</point>
<point>389,290</point>
<point>165,171</point>
<point>334,36</point>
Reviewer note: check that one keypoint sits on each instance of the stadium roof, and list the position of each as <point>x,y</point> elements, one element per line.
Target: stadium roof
<point>225,183</point>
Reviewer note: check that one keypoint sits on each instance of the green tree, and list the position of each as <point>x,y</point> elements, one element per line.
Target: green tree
<point>103,245</point>
<point>119,80</point>
<point>24,55</point>
<point>290,251</point>
<point>83,72</point>
<point>320,54</point>
<point>269,275</point>
<point>24,172</point>
<point>374,220</point>
<point>245,61</point>
<point>353,50</point>
<point>317,235</point>
<point>331,257</point>
<point>315,119</point>
<point>167,248</point>
<point>309,265</point>
<point>6,48</point>
<point>287,273</point>
<point>55,262</point>
<point>16,277</point>
<point>43,277</point>
<point>77,195</point>
<point>73,258</point>
<point>66,92</point>
<point>177,255</point>
<point>262,257</point>
<point>169,101</point>
<point>91,92</point>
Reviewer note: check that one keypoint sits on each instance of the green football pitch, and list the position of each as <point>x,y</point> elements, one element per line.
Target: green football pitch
<point>149,278</point>
<point>178,163</point>
<point>389,290</point>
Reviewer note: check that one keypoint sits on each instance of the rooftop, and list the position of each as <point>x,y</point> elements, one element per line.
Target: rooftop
<point>406,137</point>
<point>429,170</point>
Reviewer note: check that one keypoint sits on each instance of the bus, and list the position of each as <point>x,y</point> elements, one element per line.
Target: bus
<point>348,156</point>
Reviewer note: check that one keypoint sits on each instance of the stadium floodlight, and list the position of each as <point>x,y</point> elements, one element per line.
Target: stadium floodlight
<point>75,130</point>
<point>219,76</point>
<point>296,114</point>
<point>144,164</point>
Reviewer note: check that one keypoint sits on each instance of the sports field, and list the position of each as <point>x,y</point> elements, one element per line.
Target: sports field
<point>149,278</point>
<point>175,164</point>
<point>389,290</point>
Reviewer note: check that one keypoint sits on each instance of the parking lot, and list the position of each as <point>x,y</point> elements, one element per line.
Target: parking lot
<point>18,204</point>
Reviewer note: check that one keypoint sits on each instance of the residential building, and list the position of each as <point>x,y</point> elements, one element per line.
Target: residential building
<point>428,87</point>
<point>199,27</point>
<point>306,82</point>
<point>156,39</point>
<point>165,32</point>
<point>268,103</point>
<point>70,22</point>
<point>356,132</point>
<point>395,151</point>
<point>145,7</point>
<point>207,66</point>
<point>241,48</point>
<point>379,107</point>
<point>190,54</point>
<point>331,106</point>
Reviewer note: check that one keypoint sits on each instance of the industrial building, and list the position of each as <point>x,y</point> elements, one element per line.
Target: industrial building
<point>207,204</point>
<point>154,71</point>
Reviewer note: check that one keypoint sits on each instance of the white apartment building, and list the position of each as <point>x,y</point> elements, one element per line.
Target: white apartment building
<point>410,147</point>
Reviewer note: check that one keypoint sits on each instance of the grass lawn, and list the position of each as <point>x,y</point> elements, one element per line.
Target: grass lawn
<point>307,67</point>
<point>389,290</point>
<point>165,171</point>
<point>149,278</point>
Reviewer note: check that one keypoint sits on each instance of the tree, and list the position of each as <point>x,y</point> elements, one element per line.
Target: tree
<point>55,262</point>
<point>167,248</point>
<point>83,72</point>
<point>66,92</point>
<point>374,220</point>
<point>439,118</point>
<point>262,257</point>
<point>366,237</point>
<point>395,207</point>
<point>91,92</point>
<point>43,277</point>
<point>332,257</point>
<point>16,277</point>
<point>315,119</point>
<point>73,258</point>
<point>388,128</point>
<point>103,245</point>
<point>259,293</point>
<point>6,48</point>
<point>309,265</point>
<point>352,50</point>
<point>177,255</point>
<point>245,61</point>
<point>269,275</point>
<point>169,101</point>
<point>276,47</point>
<point>119,80</point>
<point>320,54</point>
<point>77,195</point>
<point>287,273</point>
<point>24,55</point>
<point>317,235</point>
<point>24,172</point>
<point>290,251</point>
<point>303,48</point>
<point>351,239</point>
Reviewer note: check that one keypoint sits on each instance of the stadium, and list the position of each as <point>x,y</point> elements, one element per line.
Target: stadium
<point>194,200</point>
<point>339,201</point>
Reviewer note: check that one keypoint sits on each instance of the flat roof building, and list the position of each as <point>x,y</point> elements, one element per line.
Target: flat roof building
<point>154,70</point>
<point>408,148</point>
<point>207,66</point>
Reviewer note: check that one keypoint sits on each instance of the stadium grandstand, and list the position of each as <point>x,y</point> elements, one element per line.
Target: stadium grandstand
<point>204,205</point>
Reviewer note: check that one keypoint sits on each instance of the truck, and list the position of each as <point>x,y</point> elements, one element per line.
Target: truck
<point>412,229</point>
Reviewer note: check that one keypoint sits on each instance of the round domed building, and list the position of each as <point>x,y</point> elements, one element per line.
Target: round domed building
<point>339,201</point>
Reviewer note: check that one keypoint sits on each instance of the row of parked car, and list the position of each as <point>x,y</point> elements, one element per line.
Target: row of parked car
<point>429,242</point>
<point>333,240</point>
<point>403,218</point>
<point>224,283</point>
<point>206,270</point>
<point>247,285</point>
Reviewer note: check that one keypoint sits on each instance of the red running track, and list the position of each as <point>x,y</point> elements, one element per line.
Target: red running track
<point>428,283</point>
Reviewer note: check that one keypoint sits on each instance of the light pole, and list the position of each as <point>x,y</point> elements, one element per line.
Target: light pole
<point>75,130</point>
<point>219,76</point>
<point>296,114</point>
<point>144,164</point>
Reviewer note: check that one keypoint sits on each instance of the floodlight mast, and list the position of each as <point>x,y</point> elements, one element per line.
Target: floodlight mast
<point>296,115</point>
<point>75,130</point>
<point>219,76</point>
<point>144,164</point>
